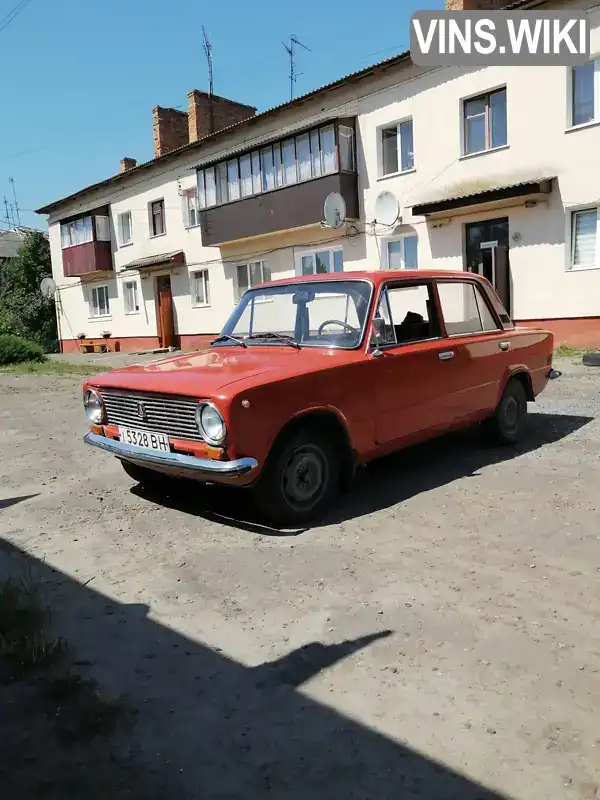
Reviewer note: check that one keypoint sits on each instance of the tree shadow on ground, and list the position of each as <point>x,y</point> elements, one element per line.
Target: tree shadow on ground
<point>211,728</point>
<point>382,484</point>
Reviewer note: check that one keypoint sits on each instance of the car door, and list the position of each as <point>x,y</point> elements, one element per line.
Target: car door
<point>479,348</point>
<point>408,363</point>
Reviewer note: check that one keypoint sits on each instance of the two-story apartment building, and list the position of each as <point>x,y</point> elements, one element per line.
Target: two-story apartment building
<point>491,169</point>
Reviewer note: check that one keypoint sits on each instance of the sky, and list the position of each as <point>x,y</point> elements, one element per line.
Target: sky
<point>80,78</point>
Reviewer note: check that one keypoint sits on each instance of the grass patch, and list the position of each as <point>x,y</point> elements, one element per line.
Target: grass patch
<point>565,351</point>
<point>51,367</point>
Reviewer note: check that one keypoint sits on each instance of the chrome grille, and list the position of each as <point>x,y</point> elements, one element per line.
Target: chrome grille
<point>168,414</point>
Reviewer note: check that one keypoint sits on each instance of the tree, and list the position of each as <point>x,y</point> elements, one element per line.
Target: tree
<point>24,311</point>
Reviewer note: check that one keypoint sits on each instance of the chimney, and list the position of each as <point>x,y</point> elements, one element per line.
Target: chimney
<point>209,113</point>
<point>127,163</point>
<point>170,129</point>
<point>476,5</point>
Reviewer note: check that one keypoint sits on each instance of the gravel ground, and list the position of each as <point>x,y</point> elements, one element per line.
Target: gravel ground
<point>437,638</point>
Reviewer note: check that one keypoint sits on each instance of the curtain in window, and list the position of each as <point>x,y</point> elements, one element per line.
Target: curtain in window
<point>303,156</point>
<point>584,238</point>
<point>210,187</point>
<point>328,150</point>
<point>288,149</point>
<point>246,175</point>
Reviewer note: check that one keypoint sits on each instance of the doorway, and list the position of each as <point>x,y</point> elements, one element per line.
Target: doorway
<point>165,326</point>
<point>486,245</point>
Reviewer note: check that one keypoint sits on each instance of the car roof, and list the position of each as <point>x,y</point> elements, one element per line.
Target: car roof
<point>375,276</point>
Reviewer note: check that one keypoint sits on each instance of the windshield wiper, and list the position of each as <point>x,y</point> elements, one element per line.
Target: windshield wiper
<point>281,336</point>
<point>226,337</point>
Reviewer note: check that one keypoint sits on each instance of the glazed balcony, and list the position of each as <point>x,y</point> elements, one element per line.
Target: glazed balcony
<point>86,244</point>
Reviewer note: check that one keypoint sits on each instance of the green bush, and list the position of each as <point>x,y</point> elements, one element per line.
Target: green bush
<point>14,350</point>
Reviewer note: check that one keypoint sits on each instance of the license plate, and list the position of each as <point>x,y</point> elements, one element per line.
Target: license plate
<point>146,439</point>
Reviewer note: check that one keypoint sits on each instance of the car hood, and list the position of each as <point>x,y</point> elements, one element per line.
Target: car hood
<point>209,372</point>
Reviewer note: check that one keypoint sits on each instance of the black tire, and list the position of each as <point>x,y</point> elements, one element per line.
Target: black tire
<point>144,476</point>
<point>591,360</point>
<point>301,478</point>
<point>506,424</point>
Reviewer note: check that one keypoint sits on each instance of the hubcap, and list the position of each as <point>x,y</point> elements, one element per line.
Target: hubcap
<point>511,413</point>
<point>304,477</point>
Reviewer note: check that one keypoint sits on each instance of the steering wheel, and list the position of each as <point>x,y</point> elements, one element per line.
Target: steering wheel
<point>347,328</point>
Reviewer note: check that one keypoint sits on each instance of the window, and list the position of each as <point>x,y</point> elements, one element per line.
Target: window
<point>397,151</point>
<point>321,262</point>
<point>192,217</point>
<point>80,231</point>
<point>99,306</point>
<point>585,93</point>
<point>157,218</point>
<point>252,274</point>
<point>297,158</point>
<point>200,288</point>
<point>407,314</point>
<point>584,236</point>
<point>484,121</point>
<point>403,253</point>
<point>464,309</point>
<point>124,228</point>
<point>130,295</point>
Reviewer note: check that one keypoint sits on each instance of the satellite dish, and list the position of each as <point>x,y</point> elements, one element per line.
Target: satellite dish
<point>48,287</point>
<point>387,209</point>
<point>334,210</point>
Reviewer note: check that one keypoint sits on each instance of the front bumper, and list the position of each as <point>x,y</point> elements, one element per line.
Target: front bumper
<point>203,469</point>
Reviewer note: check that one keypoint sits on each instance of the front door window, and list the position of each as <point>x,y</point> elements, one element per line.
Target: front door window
<point>487,253</point>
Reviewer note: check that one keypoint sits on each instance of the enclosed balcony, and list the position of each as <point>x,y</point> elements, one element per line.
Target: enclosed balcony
<point>279,186</point>
<point>85,242</point>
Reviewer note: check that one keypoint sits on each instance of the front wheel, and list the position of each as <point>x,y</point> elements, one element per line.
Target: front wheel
<point>506,424</point>
<point>300,480</point>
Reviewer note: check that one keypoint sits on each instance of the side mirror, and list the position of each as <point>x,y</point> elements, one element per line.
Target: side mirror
<point>377,330</point>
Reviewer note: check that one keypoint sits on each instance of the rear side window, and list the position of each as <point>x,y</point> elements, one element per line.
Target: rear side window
<point>464,309</point>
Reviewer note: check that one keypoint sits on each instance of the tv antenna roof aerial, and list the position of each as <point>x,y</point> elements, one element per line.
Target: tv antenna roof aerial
<point>207,46</point>
<point>387,209</point>
<point>48,287</point>
<point>291,52</point>
<point>334,210</point>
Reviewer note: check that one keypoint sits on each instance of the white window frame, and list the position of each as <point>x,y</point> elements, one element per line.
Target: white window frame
<point>571,97</point>
<point>122,241</point>
<point>203,275</point>
<point>395,124</point>
<point>136,309</point>
<point>69,228</point>
<point>151,217</point>
<point>263,263</point>
<point>400,238</point>
<point>314,252</point>
<point>571,214</point>
<point>93,292</point>
<point>486,93</point>
<point>188,194</point>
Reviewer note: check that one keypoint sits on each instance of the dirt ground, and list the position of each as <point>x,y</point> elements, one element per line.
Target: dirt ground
<point>437,637</point>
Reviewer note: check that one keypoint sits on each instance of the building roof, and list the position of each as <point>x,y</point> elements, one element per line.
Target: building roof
<point>500,191</point>
<point>174,258</point>
<point>12,240</point>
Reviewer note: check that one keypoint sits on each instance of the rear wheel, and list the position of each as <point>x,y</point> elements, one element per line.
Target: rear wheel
<point>506,424</point>
<point>301,478</point>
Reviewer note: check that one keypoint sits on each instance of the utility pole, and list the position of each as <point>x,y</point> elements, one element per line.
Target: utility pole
<point>12,181</point>
<point>291,53</point>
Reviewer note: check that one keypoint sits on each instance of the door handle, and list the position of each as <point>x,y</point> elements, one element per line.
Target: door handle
<point>504,345</point>
<point>446,355</point>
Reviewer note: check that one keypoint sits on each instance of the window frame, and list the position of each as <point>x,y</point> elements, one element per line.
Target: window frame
<point>314,252</point>
<point>391,284</point>
<point>122,242</point>
<point>135,310</point>
<point>151,205</point>
<point>399,238</point>
<point>572,212</point>
<point>205,273</point>
<point>500,327</point>
<point>486,96</point>
<point>571,125</point>
<point>71,226</point>
<point>389,126</point>
<point>96,289</point>
<point>263,263</point>
<point>187,194</point>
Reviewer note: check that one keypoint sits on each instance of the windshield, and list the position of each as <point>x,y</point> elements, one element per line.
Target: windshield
<point>311,314</point>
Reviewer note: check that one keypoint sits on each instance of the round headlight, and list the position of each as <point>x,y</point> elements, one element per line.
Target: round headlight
<point>94,407</point>
<point>210,423</point>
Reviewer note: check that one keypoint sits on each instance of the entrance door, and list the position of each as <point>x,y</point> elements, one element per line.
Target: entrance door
<point>164,311</point>
<point>487,254</point>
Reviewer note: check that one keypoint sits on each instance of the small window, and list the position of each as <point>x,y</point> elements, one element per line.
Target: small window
<point>192,216</point>
<point>397,148</point>
<point>99,305</point>
<point>157,218</point>
<point>403,253</point>
<point>80,231</point>
<point>130,294</point>
<point>252,274</point>
<point>484,121</point>
<point>200,288</point>
<point>347,151</point>
<point>584,236</point>
<point>321,262</point>
<point>124,227</point>
<point>462,306</point>
<point>585,92</point>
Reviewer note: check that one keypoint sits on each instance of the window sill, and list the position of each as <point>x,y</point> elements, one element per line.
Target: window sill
<point>132,313</point>
<point>157,235</point>
<point>125,244</point>
<point>191,227</point>
<point>582,269</point>
<point>592,124</point>
<point>397,174</point>
<point>200,305</point>
<point>101,318</point>
<point>466,156</point>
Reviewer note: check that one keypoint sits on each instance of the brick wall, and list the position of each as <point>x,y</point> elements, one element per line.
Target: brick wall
<point>127,163</point>
<point>476,5</point>
<point>169,128</point>
<point>210,113</point>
